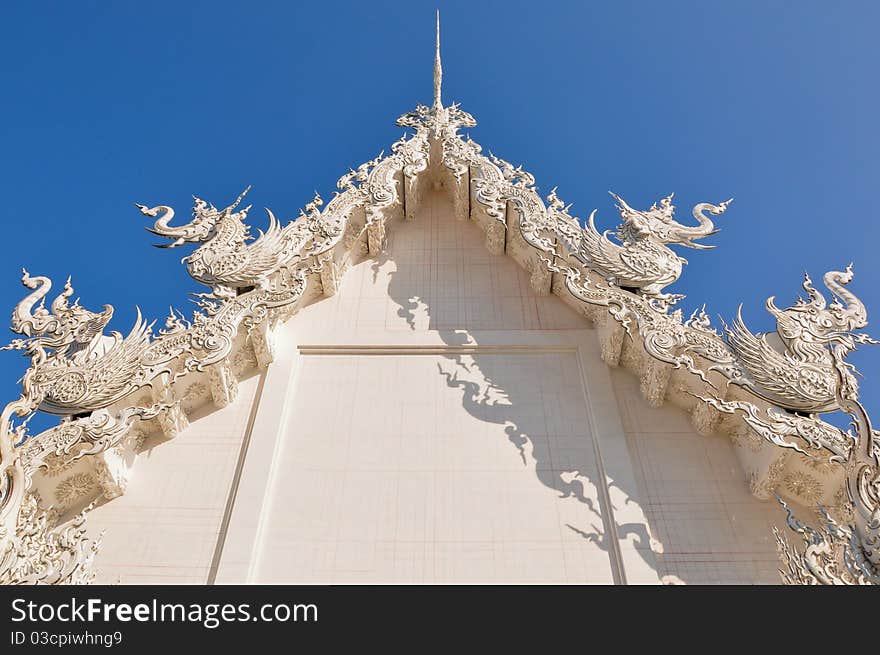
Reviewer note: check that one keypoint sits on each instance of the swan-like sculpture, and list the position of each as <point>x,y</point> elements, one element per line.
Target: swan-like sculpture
<point>802,378</point>
<point>230,260</point>
<point>75,371</point>
<point>643,260</point>
<point>75,368</point>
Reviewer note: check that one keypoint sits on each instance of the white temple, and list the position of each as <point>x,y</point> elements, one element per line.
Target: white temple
<point>437,376</point>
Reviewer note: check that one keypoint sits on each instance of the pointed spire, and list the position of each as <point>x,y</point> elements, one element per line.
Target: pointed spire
<point>438,68</point>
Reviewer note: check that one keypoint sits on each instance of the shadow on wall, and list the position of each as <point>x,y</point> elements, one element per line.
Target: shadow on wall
<point>544,419</point>
<point>442,278</point>
<point>525,431</point>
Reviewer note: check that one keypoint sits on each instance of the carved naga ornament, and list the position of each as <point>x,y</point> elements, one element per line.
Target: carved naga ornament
<point>75,368</point>
<point>799,376</point>
<point>76,371</point>
<point>229,258</point>
<point>817,337</point>
<point>643,260</point>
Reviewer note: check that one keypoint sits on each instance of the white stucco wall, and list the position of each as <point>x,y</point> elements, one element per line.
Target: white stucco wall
<point>430,468</point>
<point>164,529</point>
<point>438,421</point>
<point>712,529</point>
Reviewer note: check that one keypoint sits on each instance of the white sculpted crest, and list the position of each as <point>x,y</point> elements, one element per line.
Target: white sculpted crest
<point>229,259</point>
<point>77,371</point>
<point>74,368</point>
<point>801,378</point>
<point>643,259</point>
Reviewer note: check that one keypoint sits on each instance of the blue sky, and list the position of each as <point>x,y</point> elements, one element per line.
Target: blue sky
<point>773,103</point>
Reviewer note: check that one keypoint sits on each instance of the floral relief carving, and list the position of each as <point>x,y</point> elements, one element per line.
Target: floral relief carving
<point>194,393</point>
<point>841,508</point>
<point>764,485</point>
<point>820,464</point>
<point>243,361</point>
<point>56,465</point>
<point>745,438</point>
<point>75,487</point>
<point>803,486</point>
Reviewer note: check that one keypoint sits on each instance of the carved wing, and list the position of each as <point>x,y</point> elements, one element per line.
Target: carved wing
<point>102,378</point>
<point>270,249</point>
<point>631,267</point>
<point>119,365</point>
<point>786,381</point>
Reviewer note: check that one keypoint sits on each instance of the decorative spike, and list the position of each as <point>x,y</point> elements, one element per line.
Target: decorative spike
<point>237,200</point>
<point>438,68</point>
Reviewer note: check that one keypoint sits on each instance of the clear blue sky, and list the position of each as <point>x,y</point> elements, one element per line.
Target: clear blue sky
<point>774,103</point>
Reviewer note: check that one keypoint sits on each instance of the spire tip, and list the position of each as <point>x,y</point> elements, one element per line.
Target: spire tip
<point>438,68</point>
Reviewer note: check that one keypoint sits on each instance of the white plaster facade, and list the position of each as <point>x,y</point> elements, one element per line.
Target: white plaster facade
<point>438,421</point>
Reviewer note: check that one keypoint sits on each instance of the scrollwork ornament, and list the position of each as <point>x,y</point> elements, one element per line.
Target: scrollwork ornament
<point>837,553</point>
<point>41,552</point>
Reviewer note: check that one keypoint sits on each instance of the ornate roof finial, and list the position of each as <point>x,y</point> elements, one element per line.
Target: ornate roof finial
<point>438,68</point>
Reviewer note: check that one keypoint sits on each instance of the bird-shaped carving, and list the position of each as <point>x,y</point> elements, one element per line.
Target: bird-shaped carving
<point>802,377</point>
<point>230,259</point>
<point>643,259</point>
<point>75,367</point>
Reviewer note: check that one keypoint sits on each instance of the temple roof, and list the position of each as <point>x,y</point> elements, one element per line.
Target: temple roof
<point>254,282</point>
